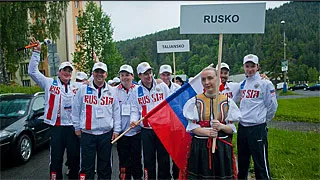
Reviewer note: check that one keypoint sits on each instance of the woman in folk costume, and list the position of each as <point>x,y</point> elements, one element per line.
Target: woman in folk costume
<point>206,122</point>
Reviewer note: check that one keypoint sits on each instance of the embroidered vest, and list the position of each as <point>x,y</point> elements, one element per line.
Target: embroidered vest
<point>207,109</point>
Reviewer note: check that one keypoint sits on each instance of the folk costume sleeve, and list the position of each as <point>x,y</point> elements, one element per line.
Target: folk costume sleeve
<point>190,112</point>
<point>234,115</point>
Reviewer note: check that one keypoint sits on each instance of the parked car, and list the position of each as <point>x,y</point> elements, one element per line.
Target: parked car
<point>314,87</point>
<point>22,126</point>
<point>298,86</point>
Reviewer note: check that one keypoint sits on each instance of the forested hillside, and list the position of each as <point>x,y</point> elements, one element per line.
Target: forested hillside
<point>302,20</point>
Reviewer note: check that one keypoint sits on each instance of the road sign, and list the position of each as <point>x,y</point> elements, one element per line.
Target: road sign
<point>284,65</point>
<point>173,46</point>
<point>52,48</point>
<point>53,58</point>
<point>235,18</point>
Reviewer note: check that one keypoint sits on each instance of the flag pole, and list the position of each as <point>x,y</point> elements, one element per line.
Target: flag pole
<point>217,86</point>
<point>122,134</point>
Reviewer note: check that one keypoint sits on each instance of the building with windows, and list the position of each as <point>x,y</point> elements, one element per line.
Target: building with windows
<point>65,45</point>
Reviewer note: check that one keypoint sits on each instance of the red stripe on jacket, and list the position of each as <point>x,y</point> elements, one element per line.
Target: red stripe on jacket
<point>88,116</point>
<point>144,112</point>
<point>51,105</point>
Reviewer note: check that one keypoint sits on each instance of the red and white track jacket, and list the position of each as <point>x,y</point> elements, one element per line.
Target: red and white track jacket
<point>58,100</point>
<point>145,100</point>
<point>125,98</point>
<point>232,90</point>
<point>95,115</point>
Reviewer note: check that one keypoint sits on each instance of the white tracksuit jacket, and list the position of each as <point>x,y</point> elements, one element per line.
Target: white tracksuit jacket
<point>145,100</point>
<point>95,115</point>
<point>258,103</point>
<point>124,97</point>
<point>57,100</point>
<point>232,90</point>
<point>174,87</point>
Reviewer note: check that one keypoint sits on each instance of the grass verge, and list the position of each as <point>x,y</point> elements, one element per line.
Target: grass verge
<point>299,110</point>
<point>292,155</point>
<point>281,93</point>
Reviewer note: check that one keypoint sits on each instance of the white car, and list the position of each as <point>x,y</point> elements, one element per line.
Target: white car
<point>280,85</point>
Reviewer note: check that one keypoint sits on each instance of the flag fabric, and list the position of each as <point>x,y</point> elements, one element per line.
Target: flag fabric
<point>169,124</point>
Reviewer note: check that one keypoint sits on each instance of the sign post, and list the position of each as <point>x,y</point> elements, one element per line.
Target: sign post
<point>53,59</point>
<point>239,18</point>
<point>173,46</point>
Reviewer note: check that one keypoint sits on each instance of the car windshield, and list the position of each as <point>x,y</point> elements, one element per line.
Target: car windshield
<point>14,107</point>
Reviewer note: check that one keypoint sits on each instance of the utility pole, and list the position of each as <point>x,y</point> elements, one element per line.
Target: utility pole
<point>284,59</point>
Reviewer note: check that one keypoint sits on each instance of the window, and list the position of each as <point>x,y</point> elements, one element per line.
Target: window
<point>10,76</point>
<point>77,37</point>
<point>76,4</point>
<point>76,20</point>
<point>26,83</point>
<point>25,68</point>
<point>38,104</point>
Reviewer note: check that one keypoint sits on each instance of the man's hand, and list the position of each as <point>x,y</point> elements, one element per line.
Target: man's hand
<point>264,76</point>
<point>78,133</point>
<point>114,136</point>
<point>34,41</point>
<point>95,57</point>
<point>158,81</point>
<point>134,124</point>
<point>85,82</point>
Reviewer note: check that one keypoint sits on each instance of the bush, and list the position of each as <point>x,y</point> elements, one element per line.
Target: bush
<point>19,89</point>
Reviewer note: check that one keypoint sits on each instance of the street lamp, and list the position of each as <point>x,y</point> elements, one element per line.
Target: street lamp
<point>284,59</point>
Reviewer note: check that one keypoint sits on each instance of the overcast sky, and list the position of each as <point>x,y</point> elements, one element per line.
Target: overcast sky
<point>132,19</point>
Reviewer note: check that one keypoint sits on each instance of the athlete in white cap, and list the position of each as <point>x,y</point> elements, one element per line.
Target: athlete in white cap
<point>59,95</point>
<point>258,106</point>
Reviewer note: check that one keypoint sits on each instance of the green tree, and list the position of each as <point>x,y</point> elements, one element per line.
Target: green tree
<point>313,75</point>
<point>20,20</point>
<point>95,32</point>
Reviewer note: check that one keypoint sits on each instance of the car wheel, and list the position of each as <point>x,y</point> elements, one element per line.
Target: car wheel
<point>24,149</point>
<point>304,89</point>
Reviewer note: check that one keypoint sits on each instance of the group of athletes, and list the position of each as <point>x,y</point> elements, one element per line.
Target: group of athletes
<point>86,115</point>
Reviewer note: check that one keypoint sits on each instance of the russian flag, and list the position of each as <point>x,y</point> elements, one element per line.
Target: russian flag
<point>169,124</point>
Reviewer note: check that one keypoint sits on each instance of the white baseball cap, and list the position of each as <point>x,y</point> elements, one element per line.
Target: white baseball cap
<point>126,68</point>
<point>100,65</point>
<point>251,57</point>
<point>223,65</point>
<point>81,76</point>
<point>165,68</point>
<point>116,80</point>
<point>110,82</point>
<point>65,64</point>
<point>143,67</point>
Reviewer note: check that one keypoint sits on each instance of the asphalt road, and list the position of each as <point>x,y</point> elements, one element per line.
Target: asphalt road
<point>301,94</point>
<point>38,166</point>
